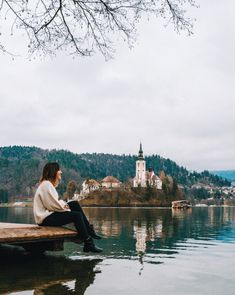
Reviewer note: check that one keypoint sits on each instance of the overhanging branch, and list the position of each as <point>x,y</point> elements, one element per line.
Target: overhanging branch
<point>85,26</point>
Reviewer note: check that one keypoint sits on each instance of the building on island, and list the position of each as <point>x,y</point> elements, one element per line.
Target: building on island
<point>88,186</point>
<point>152,179</point>
<point>142,177</point>
<point>110,182</point>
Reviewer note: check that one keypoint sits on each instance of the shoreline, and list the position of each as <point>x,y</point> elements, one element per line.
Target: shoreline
<point>15,205</point>
<point>30,205</point>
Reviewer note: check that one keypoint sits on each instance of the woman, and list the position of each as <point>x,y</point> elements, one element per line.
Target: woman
<point>50,211</point>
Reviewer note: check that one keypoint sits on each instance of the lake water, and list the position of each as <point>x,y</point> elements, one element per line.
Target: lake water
<point>146,251</point>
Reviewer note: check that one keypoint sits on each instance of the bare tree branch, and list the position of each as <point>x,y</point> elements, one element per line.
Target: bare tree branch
<point>84,27</point>
<point>51,19</point>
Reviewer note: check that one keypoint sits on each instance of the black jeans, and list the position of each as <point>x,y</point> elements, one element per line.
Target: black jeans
<point>75,206</point>
<point>76,215</point>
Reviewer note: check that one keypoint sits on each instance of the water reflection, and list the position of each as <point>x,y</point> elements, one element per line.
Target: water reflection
<point>135,232</point>
<point>46,274</point>
<point>145,237</point>
<point>128,231</point>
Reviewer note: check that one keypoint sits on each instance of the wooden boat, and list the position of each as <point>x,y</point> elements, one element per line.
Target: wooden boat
<point>181,204</point>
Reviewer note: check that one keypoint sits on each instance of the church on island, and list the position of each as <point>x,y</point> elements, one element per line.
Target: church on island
<point>143,178</point>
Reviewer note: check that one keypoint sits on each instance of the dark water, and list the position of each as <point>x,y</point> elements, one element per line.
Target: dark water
<point>146,251</point>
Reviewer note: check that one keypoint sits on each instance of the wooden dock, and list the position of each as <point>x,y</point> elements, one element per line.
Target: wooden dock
<point>34,238</point>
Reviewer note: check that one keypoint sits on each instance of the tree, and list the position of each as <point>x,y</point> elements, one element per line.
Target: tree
<point>200,193</point>
<point>3,195</point>
<point>174,187</point>
<point>148,191</point>
<point>84,26</point>
<point>71,189</point>
<point>162,175</point>
<point>165,185</point>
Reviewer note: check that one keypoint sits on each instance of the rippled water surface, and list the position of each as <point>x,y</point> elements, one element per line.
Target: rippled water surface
<point>146,251</point>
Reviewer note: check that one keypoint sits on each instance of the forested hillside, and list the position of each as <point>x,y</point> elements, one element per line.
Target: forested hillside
<point>20,169</point>
<point>228,174</point>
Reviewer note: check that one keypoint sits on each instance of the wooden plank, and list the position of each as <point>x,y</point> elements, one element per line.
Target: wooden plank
<point>16,225</point>
<point>19,233</point>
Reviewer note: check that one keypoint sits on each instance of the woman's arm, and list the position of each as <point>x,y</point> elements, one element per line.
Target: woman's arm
<point>50,200</point>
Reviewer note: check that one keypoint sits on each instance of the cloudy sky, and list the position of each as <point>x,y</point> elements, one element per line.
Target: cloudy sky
<point>173,92</point>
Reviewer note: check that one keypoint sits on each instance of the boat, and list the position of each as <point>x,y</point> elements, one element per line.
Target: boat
<point>181,204</point>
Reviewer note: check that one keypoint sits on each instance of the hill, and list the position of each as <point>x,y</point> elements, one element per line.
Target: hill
<point>21,166</point>
<point>226,174</point>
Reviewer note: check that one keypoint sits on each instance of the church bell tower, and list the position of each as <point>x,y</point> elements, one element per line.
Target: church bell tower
<point>140,177</point>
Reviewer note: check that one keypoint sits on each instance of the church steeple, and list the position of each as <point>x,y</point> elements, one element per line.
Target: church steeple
<point>140,172</point>
<point>140,156</point>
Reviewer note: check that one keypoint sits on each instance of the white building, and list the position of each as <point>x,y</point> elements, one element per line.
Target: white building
<point>143,177</point>
<point>152,179</point>
<point>88,186</point>
<point>110,182</point>
<point>140,177</point>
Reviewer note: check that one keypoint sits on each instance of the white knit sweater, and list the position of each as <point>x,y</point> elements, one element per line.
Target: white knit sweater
<point>46,201</point>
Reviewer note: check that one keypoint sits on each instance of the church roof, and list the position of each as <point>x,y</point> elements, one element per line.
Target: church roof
<point>110,179</point>
<point>155,177</point>
<point>151,175</point>
<point>91,182</point>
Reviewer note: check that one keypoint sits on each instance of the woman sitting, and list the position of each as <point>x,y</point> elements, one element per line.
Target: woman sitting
<point>50,211</point>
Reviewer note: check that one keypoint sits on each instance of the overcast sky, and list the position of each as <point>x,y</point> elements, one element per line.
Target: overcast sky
<point>173,92</point>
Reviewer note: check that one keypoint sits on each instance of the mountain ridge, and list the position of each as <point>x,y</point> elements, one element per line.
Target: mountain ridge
<point>227,174</point>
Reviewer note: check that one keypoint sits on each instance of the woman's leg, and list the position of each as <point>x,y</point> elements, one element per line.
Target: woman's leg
<point>75,206</point>
<point>62,218</point>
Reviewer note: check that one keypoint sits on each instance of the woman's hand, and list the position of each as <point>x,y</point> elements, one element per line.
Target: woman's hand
<point>66,206</point>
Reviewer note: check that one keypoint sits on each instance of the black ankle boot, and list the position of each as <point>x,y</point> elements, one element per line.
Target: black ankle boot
<point>89,246</point>
<point>93,234</point>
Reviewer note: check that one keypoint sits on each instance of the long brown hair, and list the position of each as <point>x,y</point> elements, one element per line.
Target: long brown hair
<point>49,172</point>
